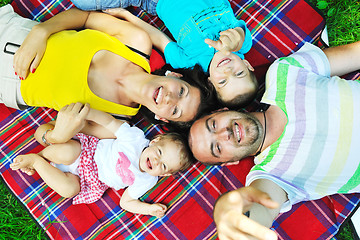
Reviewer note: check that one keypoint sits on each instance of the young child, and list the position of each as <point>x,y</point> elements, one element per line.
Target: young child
<point>206,33</point>
<point>85,168</point>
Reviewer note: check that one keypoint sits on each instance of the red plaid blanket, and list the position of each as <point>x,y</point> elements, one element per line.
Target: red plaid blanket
<point>279,27</point>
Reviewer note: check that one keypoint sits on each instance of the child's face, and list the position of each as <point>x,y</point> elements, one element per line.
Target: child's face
<point>161,158</point>
<point>230,76</point>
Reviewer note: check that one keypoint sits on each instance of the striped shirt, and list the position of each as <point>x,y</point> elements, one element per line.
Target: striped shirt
<point>318,152</point>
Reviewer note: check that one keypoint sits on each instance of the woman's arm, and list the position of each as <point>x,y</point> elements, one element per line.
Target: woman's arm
<point>125,31</point>
<point>31,51</point>
<point>158,38</point>
<point>136,206</point>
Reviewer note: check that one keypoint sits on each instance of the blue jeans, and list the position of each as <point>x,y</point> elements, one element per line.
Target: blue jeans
<point>147,5</point>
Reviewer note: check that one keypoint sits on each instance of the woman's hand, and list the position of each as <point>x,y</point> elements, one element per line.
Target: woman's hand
<point>30,53</point>
<point>230,221</point>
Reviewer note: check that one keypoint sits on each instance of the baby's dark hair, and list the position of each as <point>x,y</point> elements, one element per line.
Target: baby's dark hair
<point>241,100</point>
<point>196,77</point>
<point>186,157</point>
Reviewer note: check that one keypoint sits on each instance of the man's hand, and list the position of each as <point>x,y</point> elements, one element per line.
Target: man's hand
<point>230,221</point>
<point>70,120</point>
<point>28,56</point>
<point>229,41</point>
<point>157,210</point>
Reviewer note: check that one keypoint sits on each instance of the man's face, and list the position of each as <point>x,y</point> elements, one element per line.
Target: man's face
<point>225,136</point>
<point>231,76</point>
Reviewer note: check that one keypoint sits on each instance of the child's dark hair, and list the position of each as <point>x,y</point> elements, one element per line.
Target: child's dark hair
<point>196,77</point>
<point>186,157</point>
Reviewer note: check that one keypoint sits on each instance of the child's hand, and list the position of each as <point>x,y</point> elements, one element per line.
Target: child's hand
<point>28,56</point>
<point>157,210</point>
<point>118,12</point>
<point>229,41</point>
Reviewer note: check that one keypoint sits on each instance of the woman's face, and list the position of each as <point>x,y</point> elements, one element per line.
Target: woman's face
<point>172,99</point>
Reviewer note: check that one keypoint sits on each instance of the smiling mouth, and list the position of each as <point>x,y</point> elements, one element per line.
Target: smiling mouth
<point>148,163</point>
<point>237,132</point>
<point>223,62</point>
<point>157,95</point>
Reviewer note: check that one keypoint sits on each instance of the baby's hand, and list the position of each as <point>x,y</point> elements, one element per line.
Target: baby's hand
<point>229,41</point>
<point>70,120</point>
<point>157,210</point>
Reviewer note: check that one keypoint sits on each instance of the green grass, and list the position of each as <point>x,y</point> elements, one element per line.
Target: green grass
<point>343,21</point>
<point>3,2</point>
<point>15,222</point>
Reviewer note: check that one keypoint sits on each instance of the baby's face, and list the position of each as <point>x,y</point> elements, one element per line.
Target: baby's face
<point>230,76</point>
<point>161,158</point>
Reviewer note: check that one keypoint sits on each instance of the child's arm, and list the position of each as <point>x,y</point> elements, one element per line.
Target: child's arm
<point>229,41</point>
<point>105,120</point>
<point>158,38</point>
<point>137,206</point>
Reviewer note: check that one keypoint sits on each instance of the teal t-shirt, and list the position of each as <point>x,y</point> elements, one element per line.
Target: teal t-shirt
<point>191,23</point>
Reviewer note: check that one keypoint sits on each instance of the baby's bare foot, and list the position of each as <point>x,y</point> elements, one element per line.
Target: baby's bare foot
<point>24,163</point>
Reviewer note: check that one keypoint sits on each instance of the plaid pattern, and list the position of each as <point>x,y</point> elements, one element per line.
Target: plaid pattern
<point>279,27</point>
<point>91,187</point>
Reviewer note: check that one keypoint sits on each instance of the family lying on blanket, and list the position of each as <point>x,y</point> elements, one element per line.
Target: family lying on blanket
<point>304,138</point>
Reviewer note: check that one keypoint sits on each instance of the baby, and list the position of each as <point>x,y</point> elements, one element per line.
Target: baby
<point>118,157</point>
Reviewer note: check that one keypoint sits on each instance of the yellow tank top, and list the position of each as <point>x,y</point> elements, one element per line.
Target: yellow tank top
<point>61,77</point>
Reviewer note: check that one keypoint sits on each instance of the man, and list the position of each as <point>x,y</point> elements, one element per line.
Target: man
<point>308,139</point>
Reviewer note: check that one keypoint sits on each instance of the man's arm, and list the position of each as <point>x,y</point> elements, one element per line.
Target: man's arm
<point>344,59</point>
<point>158,38</point>
<point>232,223</point>
<point>262,214</point>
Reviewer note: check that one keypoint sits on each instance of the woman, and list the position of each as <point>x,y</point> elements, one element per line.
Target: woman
<point>103,65</point>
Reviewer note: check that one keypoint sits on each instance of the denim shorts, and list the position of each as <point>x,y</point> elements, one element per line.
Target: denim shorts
<point>147,5</point>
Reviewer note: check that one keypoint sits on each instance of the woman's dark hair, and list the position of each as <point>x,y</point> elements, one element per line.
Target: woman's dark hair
<point>196,77</point>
